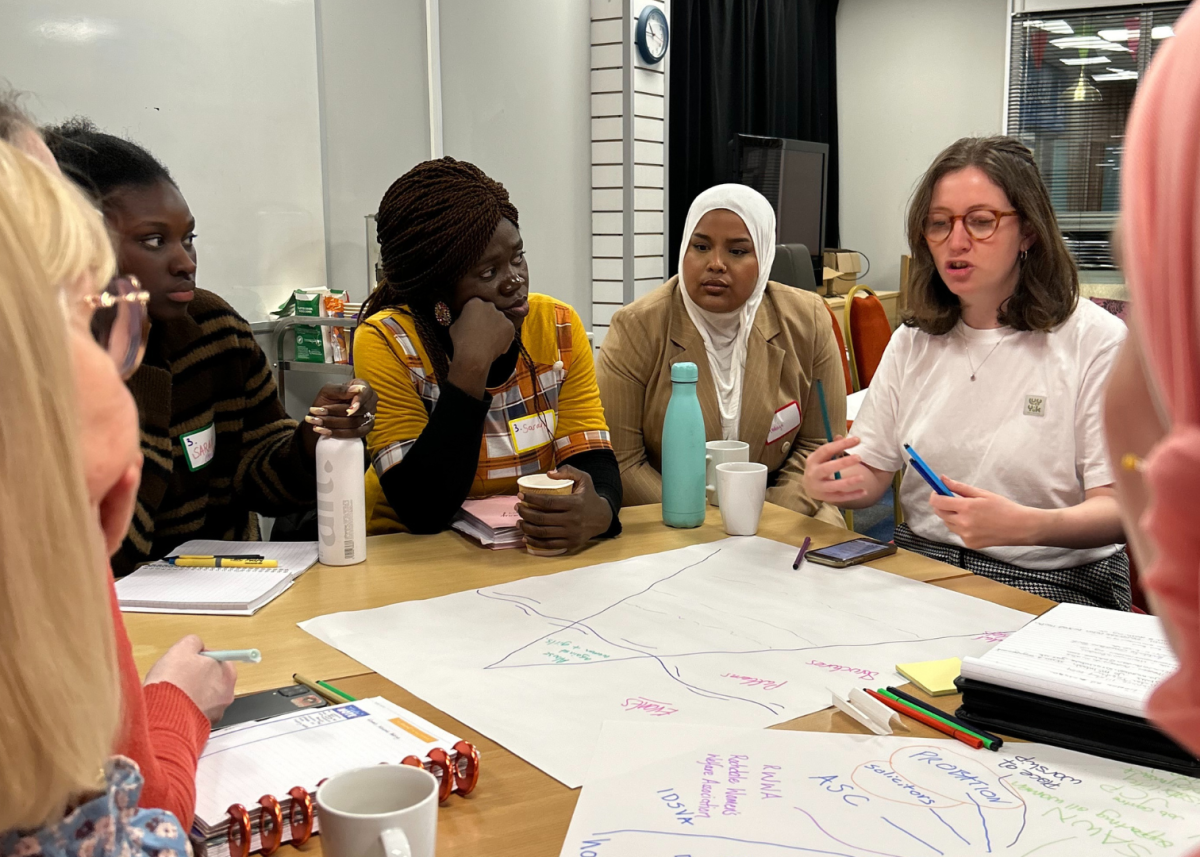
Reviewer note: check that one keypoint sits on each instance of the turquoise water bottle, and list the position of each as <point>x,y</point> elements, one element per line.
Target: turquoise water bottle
<point>683,451</point>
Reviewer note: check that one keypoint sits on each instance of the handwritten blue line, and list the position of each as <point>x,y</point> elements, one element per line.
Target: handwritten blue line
<point>986,836</point>
<point>817,825</point>
<point>952,830</point>
<point>913,835</point>
<point>638,645</point>
<point>514,595</point>
<point>1024,811</point>
<point>727,839</point>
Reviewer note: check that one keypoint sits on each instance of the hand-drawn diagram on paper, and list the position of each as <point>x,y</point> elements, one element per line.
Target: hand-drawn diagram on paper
<point>724,633</point>
<point>655,791</point>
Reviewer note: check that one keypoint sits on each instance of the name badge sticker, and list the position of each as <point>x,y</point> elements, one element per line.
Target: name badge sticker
<point>199,446</point>
<point>786,419</point>
<point>533,431</point>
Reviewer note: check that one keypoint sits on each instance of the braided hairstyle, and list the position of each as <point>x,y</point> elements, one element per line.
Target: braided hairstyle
<point>102,163</point>
<point>434,223</point>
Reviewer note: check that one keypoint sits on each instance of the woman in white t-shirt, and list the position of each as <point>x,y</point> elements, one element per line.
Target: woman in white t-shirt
<point>996,380</point>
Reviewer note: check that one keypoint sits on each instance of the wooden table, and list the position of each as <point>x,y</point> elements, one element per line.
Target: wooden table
<point>517,811</point>
<point>407,568</point>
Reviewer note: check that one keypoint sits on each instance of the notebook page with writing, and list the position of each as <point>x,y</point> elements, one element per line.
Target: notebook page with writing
<point>1103,658</point>
<point>244,762</point>
<point>168,589</point>
<point>295,557</point>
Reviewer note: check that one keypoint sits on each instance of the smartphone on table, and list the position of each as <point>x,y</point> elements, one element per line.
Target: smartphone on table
<point>849,553</point>
<point>269,703</point>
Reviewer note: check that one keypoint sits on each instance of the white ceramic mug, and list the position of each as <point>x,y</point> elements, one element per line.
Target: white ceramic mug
<point>718,452</point>
<point>380,811</point>
<point>743,489</point>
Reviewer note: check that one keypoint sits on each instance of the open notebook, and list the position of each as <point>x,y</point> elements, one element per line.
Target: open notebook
<point>163,588</point>
<point>1106,659</point>
<point>286,756</point>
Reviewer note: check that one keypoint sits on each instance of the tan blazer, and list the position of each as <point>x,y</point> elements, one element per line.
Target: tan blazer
<point>791,346</point>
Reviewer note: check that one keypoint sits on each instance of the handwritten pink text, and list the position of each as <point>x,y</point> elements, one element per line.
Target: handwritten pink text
<point>838,668</point>
<point>654,709</point>
<point>747,681</point>
<point>993,636</point>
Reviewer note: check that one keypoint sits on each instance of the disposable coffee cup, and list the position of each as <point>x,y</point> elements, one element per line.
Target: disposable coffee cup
<point>540,483</point>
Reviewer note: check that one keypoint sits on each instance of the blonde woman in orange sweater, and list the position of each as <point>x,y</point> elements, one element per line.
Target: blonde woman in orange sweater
<point>68,263</point>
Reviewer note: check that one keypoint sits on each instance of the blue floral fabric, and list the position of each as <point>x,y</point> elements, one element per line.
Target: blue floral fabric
<point>111,825</point>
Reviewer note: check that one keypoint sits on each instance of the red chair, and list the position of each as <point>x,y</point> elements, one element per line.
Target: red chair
<point>841,344</point>
<point>868,332</point>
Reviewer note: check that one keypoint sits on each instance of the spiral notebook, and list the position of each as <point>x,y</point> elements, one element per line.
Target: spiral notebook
<point>255,781</point>
<point>160,587</point>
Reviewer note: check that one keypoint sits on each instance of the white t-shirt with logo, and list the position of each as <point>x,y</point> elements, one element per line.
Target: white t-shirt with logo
<point>1029,427</point>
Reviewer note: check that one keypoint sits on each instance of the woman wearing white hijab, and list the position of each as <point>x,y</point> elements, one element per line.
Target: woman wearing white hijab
<point>760,347</point>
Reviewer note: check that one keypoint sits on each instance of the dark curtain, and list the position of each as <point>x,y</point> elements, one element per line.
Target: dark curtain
<point>766,67</point>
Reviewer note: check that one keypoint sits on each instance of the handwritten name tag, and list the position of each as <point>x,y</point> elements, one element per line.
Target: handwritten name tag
<point>199,446</point>
<point>532,431</point>
<point>785,420</point>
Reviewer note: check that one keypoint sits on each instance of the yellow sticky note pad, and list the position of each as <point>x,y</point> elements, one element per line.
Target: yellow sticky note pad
<point>936,678</point>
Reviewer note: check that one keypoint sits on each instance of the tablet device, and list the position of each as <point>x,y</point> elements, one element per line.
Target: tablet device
<point>850,553</point>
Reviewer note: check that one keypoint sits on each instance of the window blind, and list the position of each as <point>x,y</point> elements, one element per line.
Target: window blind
<point>1072,79</point>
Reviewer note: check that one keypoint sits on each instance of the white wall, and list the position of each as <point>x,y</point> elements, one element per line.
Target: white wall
<point>912,78</point>
<point>166,75</point>
<point>515,101</point>
<point>374,117</point>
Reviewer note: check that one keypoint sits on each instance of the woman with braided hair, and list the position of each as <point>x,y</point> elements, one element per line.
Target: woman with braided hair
<point>480,381</point>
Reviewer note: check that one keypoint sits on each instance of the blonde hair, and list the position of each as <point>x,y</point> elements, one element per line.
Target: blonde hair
<point>61,709</point>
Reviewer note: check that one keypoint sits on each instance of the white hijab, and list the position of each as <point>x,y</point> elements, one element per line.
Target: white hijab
<point>726,335</point>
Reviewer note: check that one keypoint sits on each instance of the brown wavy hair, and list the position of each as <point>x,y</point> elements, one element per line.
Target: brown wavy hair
<point>1048,284</point>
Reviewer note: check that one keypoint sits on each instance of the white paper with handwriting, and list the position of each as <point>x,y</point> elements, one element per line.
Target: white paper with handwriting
<point>723,633</point>
<point>660,791</point>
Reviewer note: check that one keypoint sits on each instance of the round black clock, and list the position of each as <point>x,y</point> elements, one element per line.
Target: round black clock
<point>652,35</point>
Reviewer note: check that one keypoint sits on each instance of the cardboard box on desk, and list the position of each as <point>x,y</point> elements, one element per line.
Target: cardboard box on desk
<point>846,266</point>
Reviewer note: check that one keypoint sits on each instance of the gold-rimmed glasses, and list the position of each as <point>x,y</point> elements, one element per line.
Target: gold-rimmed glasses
<point>981,224</point>
<point>121,323</point>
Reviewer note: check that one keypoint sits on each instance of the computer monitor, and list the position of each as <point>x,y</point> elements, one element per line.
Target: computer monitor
<point>793,175</point>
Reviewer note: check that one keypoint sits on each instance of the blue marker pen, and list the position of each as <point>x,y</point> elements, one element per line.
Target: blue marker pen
<point>927,473</point>
<point>825,417</point>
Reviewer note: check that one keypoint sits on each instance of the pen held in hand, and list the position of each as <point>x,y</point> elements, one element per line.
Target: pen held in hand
<point>245,656</point>
<point>825,418</point>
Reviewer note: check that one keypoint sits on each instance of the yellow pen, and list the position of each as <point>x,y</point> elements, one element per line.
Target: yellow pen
<point>221,562</point>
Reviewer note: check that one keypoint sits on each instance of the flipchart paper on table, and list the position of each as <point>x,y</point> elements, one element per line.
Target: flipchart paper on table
<point>659,791</point>
<point>723,633</point>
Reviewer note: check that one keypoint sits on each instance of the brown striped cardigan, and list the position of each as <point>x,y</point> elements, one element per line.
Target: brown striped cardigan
<point>200,370</point>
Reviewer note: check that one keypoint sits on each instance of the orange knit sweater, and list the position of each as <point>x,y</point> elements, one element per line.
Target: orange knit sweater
<point>163,731</point>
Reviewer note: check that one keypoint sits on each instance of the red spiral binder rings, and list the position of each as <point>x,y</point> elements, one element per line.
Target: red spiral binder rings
<point>308,747</point>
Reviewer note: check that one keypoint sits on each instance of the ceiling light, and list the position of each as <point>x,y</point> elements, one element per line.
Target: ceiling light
<point>1085,60</point>
<point>1061,28</point>
<point>76,30</point>
<point>1162,32</point>
<point>1085,43</point>
<point>1116,74</point>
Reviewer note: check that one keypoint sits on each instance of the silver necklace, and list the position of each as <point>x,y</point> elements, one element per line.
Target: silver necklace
<point>967,348</point>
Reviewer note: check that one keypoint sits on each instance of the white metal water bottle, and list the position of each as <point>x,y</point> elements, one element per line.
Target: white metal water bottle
<point>341,501</point>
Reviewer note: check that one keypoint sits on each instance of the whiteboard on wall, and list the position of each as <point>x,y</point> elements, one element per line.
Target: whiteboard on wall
<point>223,92</point>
